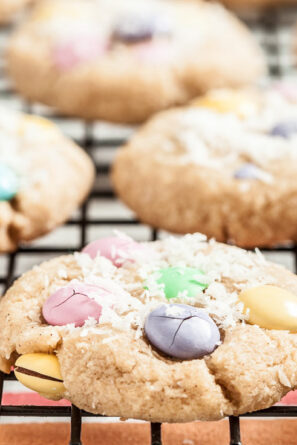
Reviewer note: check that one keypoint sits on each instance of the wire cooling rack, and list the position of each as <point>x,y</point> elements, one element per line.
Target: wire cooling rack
<point>102,212</point>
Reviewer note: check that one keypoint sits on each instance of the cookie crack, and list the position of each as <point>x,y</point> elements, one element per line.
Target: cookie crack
<point>228,395</point>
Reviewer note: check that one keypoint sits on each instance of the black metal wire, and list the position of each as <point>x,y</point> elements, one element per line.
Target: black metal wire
<point>267,25</point>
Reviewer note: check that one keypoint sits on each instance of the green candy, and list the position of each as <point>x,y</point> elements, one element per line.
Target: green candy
<point>9,183</point>
<point>180,279</point>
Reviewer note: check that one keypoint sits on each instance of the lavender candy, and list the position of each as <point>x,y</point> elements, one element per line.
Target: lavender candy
<point>250,171</point>
<point>182,331</point>
<point>136,28</point>
<point>284,129</point>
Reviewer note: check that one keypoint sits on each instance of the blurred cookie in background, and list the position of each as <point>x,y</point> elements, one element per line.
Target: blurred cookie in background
<point>43,178</point>
<point>257,4</point>
<point>9,9</point>
<point>124,61</point>
<point>224,166</point>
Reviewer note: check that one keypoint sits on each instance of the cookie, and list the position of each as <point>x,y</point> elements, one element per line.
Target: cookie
<point>200,329</point>
<point>256,4</point>
<point>131,61</point>
<point>224,166</point>
<point>9,8</point>
<point>43,178</point>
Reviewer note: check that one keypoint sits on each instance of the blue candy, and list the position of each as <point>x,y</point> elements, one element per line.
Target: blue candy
<point>284,129</point>
<point>182,331</point>
<point>9,183</point>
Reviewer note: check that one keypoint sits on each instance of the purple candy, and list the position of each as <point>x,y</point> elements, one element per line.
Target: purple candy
<point>284,129</point>
<point>182,331</point>
<point>135,28</point>
<point>249,171</point>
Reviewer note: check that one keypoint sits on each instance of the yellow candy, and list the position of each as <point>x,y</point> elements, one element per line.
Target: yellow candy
<point>270,307</point>
<point>41,373</point>
<point>31,120</point>
<point>242,103</point>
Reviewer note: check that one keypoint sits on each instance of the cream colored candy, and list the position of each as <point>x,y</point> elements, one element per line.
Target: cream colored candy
<point>270,307</point>
<point>41,373</point>
<point>241,102</point>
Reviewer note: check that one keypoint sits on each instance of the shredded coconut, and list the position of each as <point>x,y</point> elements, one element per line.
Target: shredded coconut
<point>226,271</point>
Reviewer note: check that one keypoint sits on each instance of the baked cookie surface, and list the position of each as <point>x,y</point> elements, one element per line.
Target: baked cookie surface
<point>224,166</point>
<point>135,59</point>
<point>244,5</point>
<point>43,178</point>
<point>96,329</point>
<point>9,8</point>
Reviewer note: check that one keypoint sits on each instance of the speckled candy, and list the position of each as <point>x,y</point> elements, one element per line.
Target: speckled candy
<point>179,280</point>
<point>116,249</point>
<point>284,129</point>
<point>41,373</point>
<point>72,304</point>
<point>9,183</point>
<point>182,331</point>
<point>270,307</point>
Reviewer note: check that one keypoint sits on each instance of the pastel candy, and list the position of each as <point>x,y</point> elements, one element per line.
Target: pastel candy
<point>288,90</point>
<point>228,101</point>
<point>9,183</point>
<point>41,373</point>
<point>72,304</point>
<point>270,307</point>
<point>116,249</point>
<point>285,129</point>
<point>182,331</point>
<point>76,50</point>
<point>135,28</point>
<point>249,171</point>
<point>178,280</point>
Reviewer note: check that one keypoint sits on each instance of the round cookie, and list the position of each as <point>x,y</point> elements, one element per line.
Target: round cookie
<point>43,178</point>
<point>224,166</point>
<point>137,58</point>
<point>9,8</point>
<point>247,5</point>
<point>194,357</point>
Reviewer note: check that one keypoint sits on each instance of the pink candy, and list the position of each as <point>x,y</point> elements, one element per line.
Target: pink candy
<point>153,52</point>
<point>116,249</point>
<point>288,90</point>
<point>76,50</point>
<point>71,304</point>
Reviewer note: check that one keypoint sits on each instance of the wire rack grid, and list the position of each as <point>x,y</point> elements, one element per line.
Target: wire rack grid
<point>273,29</point>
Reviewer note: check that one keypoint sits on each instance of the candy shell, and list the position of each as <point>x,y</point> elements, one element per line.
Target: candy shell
<point>41,373</point>
<point>76,50</point>
<point>182,331</point>
<point>135,28</point>
<point>9,183</point>
<point>285,129</point>
<point>116,249</point>
<point>241,103</point>
<point>251,171</point>
<point>270,307</point>
<point>180,279</point>
<point>72,304</point>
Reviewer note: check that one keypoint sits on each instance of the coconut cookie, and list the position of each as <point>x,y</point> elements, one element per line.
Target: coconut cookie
<point>200,329</point>
<point>43,178</point>
<point>124,61</point>
<point>9,8</point>
<point>256,4</point>
<point>225,165</point>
